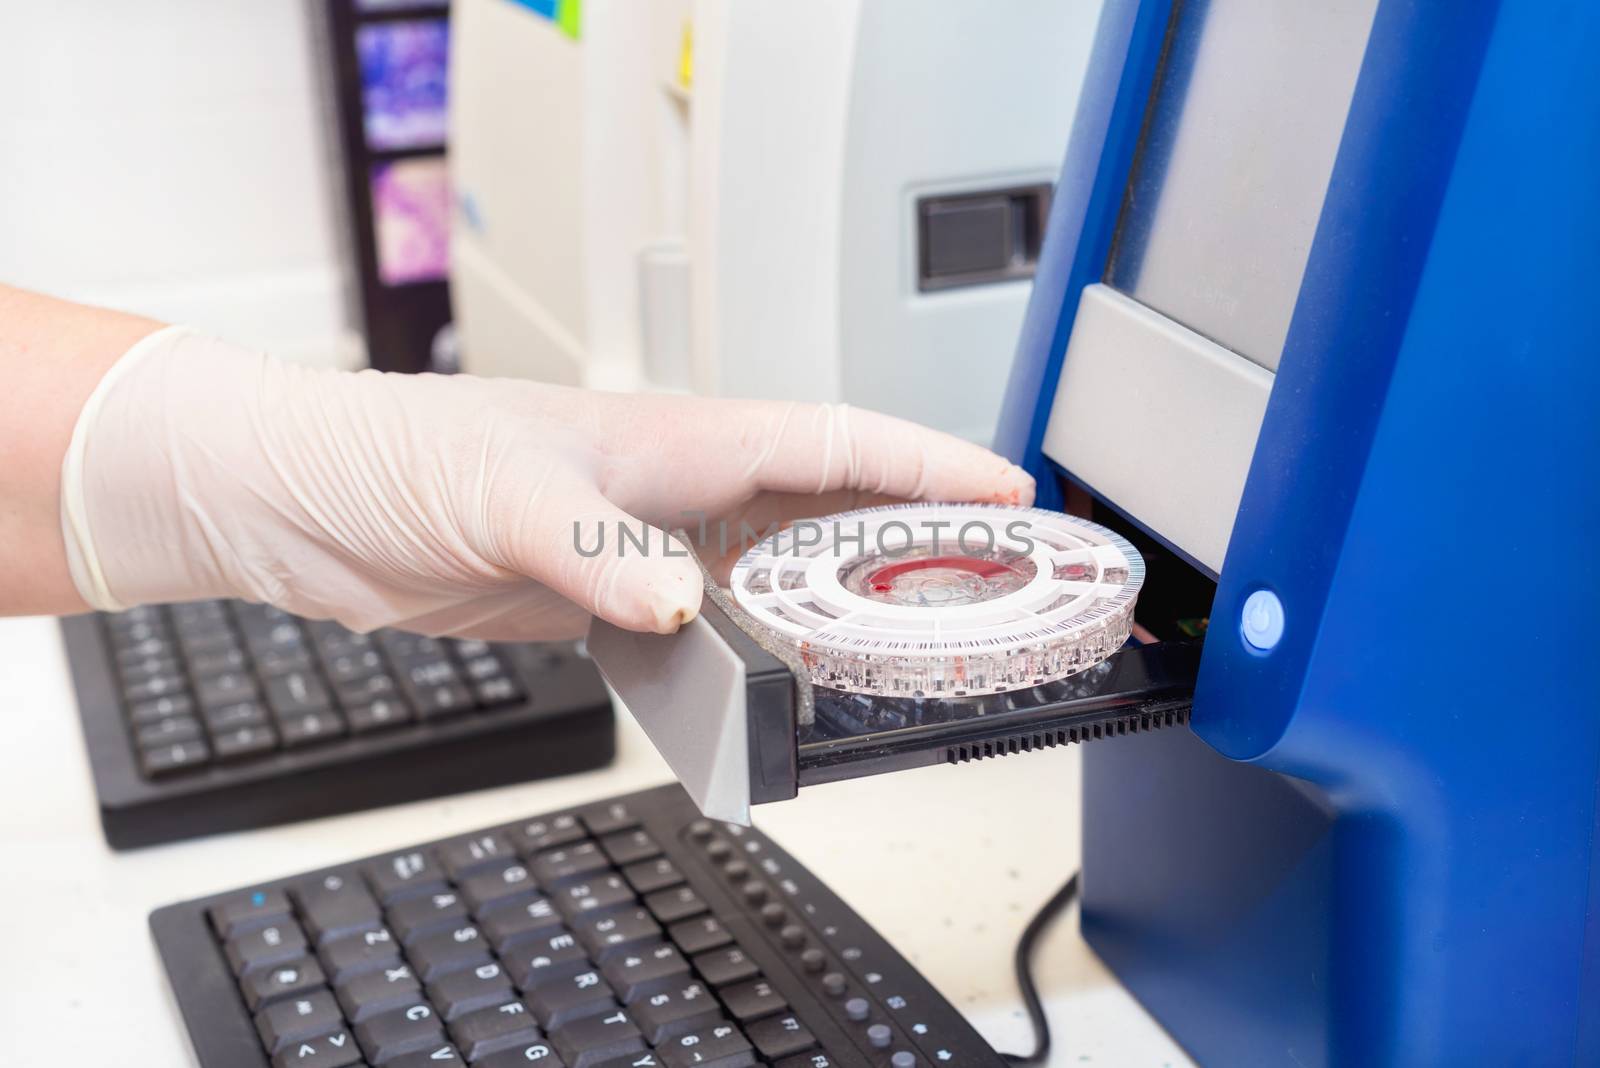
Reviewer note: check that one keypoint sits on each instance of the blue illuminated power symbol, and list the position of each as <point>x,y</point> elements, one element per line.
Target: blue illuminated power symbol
<point>1261,620</point>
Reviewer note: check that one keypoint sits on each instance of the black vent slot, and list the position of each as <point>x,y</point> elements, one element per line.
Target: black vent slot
<point>1027,742</point>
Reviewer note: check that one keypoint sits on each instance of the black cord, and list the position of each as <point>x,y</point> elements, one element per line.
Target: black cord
<point>1024,966</point>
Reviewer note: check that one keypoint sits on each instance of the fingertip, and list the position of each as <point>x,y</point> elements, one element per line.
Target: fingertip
<point>1020,486</point>
<point>674,606</point>
<point>666,598</point>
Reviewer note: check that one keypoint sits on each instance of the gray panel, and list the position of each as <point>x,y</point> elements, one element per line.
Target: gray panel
<point>1230,181</point>
<point>687,690</point>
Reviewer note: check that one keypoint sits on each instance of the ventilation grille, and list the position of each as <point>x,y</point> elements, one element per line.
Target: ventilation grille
<point>1049,739</point>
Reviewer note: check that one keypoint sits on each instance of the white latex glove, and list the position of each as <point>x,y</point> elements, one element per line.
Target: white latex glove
<point>447,504</point>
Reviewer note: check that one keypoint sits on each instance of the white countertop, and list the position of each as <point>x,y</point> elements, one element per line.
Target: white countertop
<point>948,863</point>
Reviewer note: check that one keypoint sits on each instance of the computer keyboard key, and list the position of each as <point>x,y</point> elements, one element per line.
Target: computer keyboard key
<point>238,714</point>
<point>291,979</point>
<point>700,934</point>
<point>333,638</point>
<point>159,708</point>
<point>674,1011</point>
<point>670,906</point>
<point>199,613</point>
<point>169,731</point>
<point>217,662</point>
<point>780,1036</point>
<point>297,1019</point>
<point>243,742</point>
<point>204,643</point>
<point>721,1045</point>
<point>626,847</point>
<point>555,866</point>
<point>338,1050</point>
<point>385,712</point>
<point>546,959</point>
<point>591,1039</point>
<point>126,634</point>
<point>497,691</point>
<point>522,1056</point>
<point>446,951</point>
<point>266,628</point>
<point>484,889</point>
<point>167,759</point>
<point>752,1000</point>
<point>608,817</point>
<point>443,1056</point>
<point>616,932</point>
<point>353,665</point>
<point>535,836</point>
<point>417,916</point>
<point>597,894</point>
<point>227,689</point>
<point>585,993</point>
<point>142,650</point>
<point>439,702</point>
<point>648,876</point>
<point>814,1059</point>
<point>347,956</point>
<point>478,1034</point>
<point>404,875</point>
<point>645,970</point>
<point>243,912</point>
<point>509,922</point>
<point>147,668</point>
<point>480,661</point>
<point>364,996</point>
<point>721,967</point>
<point>467,991</point>
<point>274,662</point>
<point>297,693</point>
<point>266,946</point>
<point>423,672</point>
<point>402,646</point>
<point>389,1034</point>
<point>464,856</point>
<point>631,1060</point>
<point>336,904</point>
<point>155,686</point>
<point>310,728</point>
<point>195,619</point>
<point>368,688</point>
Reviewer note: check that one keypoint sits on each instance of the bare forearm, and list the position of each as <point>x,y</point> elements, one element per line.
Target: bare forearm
<point>52,353</point>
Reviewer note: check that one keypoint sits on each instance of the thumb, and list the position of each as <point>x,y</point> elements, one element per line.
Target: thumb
<point>606,561</point>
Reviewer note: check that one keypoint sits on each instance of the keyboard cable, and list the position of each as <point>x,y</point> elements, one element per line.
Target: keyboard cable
<point>1024,968</point>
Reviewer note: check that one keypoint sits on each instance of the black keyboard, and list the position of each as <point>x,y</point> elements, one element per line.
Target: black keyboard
<point>625,933</point>
<point>222,715</point>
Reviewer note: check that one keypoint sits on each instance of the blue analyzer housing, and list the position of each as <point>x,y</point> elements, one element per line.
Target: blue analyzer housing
<point>1377,845</point>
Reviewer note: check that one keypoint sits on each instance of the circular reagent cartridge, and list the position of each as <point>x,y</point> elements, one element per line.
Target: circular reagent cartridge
<point>942,600</point>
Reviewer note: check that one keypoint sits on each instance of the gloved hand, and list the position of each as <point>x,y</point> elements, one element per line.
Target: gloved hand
<point>451,505</point>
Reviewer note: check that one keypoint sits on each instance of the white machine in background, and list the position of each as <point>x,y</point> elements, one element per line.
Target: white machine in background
<point>836,200</point>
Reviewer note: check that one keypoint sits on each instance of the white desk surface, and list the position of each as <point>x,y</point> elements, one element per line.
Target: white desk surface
<point>948,863</point>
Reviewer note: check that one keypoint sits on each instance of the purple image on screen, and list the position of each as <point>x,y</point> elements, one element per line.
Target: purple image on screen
<point>411,220</point>
<point>396,5</point>
<point>403,82</point>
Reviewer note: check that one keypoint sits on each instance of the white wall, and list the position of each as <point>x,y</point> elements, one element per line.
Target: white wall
<point>169,157</point>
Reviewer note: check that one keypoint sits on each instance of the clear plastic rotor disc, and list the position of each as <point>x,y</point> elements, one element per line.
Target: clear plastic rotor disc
<point>942,600</point>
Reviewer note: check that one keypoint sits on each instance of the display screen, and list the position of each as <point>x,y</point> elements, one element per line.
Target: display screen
<point>403,81</point>
<point>1228,187</point>
<point>411,219</point>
